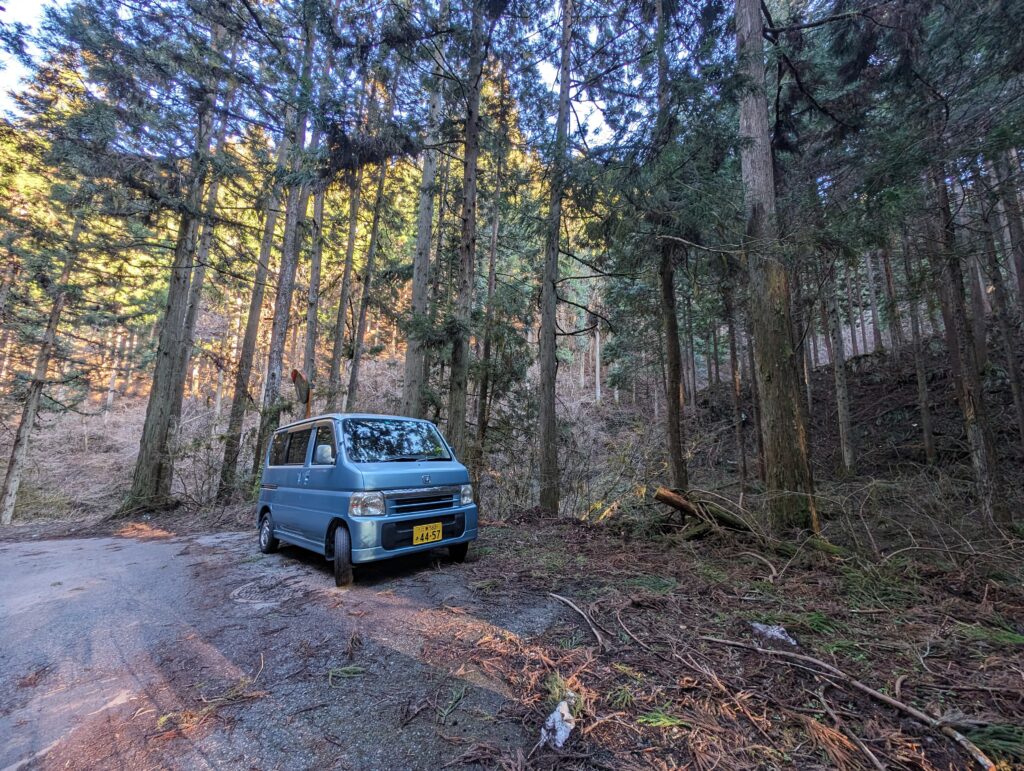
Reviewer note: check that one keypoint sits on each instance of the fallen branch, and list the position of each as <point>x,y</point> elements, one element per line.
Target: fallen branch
<point>979,757</point>
<point>601,644</point>
<point>706,512</point>
<point>849,732</point>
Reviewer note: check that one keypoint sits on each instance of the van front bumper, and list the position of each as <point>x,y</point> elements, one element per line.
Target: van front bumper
<point>379,538</point>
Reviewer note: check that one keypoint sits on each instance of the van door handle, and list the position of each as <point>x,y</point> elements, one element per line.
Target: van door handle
<point>305,478</point>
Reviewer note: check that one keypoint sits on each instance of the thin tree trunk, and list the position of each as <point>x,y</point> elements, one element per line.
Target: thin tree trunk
<point>931,456</point>
<point>415,357</point>
<point>241,397</point>
<point>364,301</point>
<point>971,396</point>
<point>1007,329</point>
<point>1010,199</point>
<point>313,297</point>
<point>892,305</point>
<point>597,363</point>
<point>295,214</point>
<point>737,387</point>
<point>851,314</point>
<point>337,370</point>
<point>979,326</point>
<point>19,449</point>
<point>835,330</point>
<point>826,336</point>
<point>548,421</point>
<point>859,297</point>
<point>459,376</point>
<point>876,317</point>
<point>115,365</point>
<point>789,481</point>
<point>674,398</point>
<point>483,405</point>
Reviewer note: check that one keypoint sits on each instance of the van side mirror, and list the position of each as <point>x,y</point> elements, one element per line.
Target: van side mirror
<point>324,455</point>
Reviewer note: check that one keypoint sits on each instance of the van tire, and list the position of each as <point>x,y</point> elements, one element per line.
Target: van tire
<point>342,557</point>
<point>268,544</point>
<point>458,551</point>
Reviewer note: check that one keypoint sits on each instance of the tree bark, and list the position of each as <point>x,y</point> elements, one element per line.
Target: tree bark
<point>241,397</point>
<point>835,331</point>
<point>548,421</point>
<point>364,301</point>
<point>483,403</point>
<point>931,456</point>
<point>313,296</point>
<point>19,449</point>
<point>1008,195</point>
<point>892,305</point>
<point>459,376</point>
<point>969,385</point>
<point>337,351</point>
<point>295,213</point>
<point>851,313</point>
<point>674,399</point>
<point>413,403</point>
<point>789,482</point>
<point>876,317</point>
<point>739,421</point>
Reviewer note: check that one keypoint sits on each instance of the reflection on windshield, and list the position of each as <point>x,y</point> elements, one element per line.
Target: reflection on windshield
<point>377,440</point>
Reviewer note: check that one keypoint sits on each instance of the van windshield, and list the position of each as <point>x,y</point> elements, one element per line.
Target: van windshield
<point>386,440</point>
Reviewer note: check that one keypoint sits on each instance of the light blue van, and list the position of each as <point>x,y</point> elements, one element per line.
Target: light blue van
<point>361,488</point>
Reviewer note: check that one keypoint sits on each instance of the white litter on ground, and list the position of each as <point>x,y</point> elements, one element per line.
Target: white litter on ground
<point>774,633</point>
<point>556,729</point>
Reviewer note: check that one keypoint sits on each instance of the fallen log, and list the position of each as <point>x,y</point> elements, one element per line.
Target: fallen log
<point>704,511</point>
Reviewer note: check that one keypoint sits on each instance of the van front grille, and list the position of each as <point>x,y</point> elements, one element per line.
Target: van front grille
<point>421,500</point>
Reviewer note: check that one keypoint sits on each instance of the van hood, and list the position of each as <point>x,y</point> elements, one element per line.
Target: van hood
<point>392,476</point>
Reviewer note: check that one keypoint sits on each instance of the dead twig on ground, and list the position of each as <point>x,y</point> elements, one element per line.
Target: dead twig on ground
<point>849,732</point>
<point>601,644</point>
<point>979,757</point>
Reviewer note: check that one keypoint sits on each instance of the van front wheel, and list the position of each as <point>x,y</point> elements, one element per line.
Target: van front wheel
<point>268,544</point>
<point>342,557</point>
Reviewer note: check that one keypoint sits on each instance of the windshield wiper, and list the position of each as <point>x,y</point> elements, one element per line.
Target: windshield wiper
<point>403,458</point>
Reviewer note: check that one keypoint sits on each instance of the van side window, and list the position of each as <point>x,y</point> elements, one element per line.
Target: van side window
<point>325,440</point>
<point>297,447</point>
<point>279,449</point>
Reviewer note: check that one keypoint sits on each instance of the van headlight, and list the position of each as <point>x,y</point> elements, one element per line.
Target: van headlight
<point>467,495</point>
<point>366,505</point>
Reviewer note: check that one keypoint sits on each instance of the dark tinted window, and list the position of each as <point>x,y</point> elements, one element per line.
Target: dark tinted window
<point>299,441</point>
<point>278,450</point>
<point>324,438</point>
<point>375,440</point>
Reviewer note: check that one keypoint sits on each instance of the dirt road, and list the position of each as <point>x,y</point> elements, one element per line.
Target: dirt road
<point>200,652</point>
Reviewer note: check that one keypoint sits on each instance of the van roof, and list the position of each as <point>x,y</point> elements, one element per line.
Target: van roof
<point>341,415</point>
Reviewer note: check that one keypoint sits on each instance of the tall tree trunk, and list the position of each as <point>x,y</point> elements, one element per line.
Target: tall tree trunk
<point>835,330</point>
<point>789,482</point>
<point>851,313</point>
<point>547,419</point>
<point>241,397</point>
<point>876,317</point>
<point>483,405</point>
<point>1010,199</point>
<point>337,351</point>
<point>19,449</point>
<point>597,362</point>
<point>459,376</point>
<point>674,398</point>
<point>1001,309</point>
<point>739,421</point>
<point>364,301</point>
<point>415,356</point>
<point>115,366</point>
<point>295,214</point>
<point>930,454</point>
<point>313,296</point>
<point>151,481</point>
<point>969,385</point>
<point>892,305</point>
<point>826,337</point>
<point>979,325</point>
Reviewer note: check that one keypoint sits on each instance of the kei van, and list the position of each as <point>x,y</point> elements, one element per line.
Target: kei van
<point>362,488</point>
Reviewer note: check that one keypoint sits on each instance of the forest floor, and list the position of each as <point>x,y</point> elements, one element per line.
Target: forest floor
<point>144,646</point>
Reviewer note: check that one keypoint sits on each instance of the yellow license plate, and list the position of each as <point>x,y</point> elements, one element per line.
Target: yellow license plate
<point>426,533</point>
